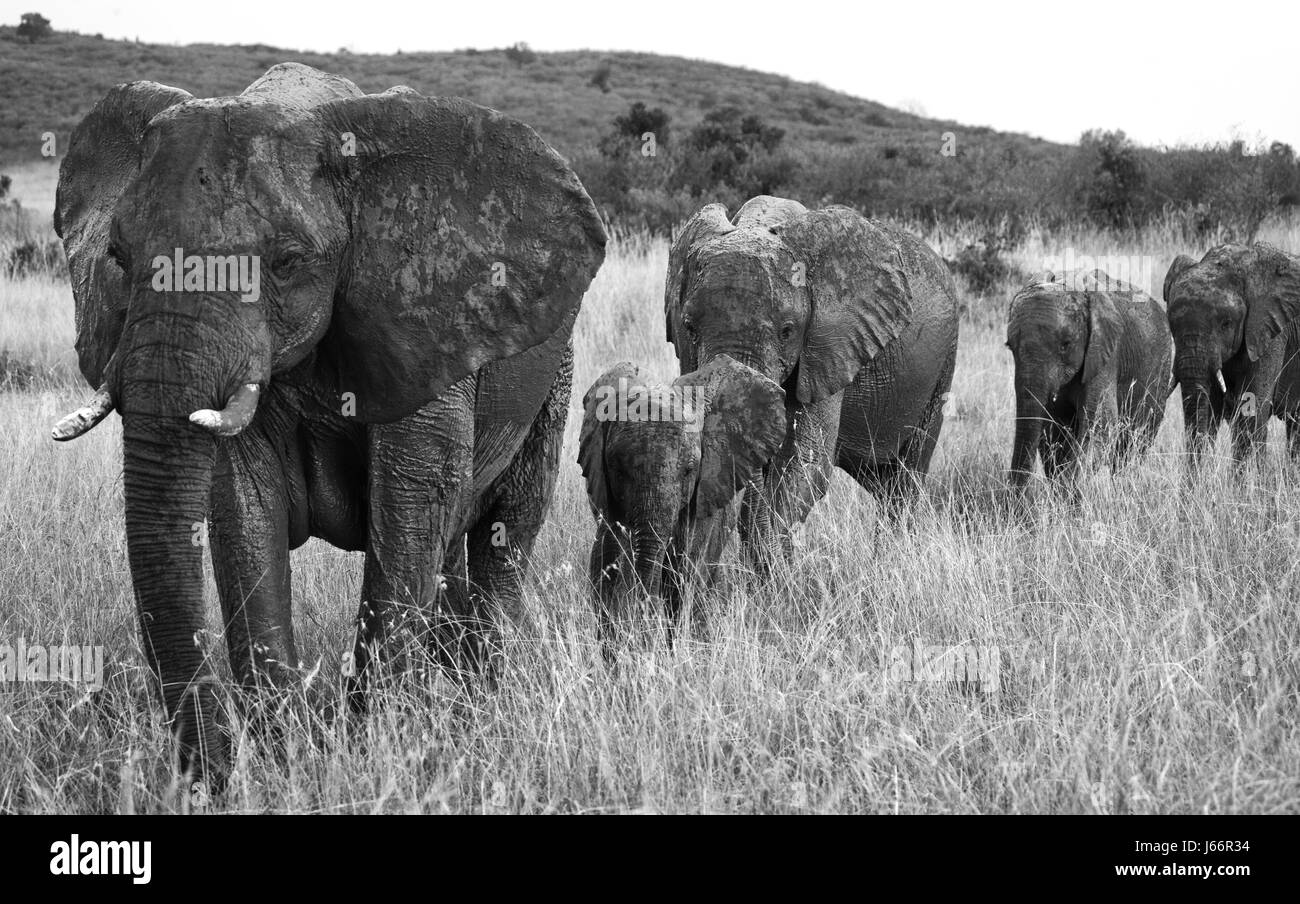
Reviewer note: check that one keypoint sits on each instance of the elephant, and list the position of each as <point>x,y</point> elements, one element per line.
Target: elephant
<point>1092,354</point>
<point>664,468</point>
<point>856,320</point>
<point>1235,318</point>
<point>394,379</point>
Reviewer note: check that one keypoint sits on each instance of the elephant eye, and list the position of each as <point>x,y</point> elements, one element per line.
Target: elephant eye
<point>1226,323</point>
<point>287,261</point>
<point>787,332</point>
<point>116,256</point>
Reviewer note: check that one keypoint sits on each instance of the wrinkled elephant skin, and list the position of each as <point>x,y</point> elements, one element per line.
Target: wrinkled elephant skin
<point>322,313</point>
<point>857,322</point>
<point>1092,357</point>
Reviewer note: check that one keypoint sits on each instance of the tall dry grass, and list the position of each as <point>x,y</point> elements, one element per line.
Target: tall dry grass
<point>1145,639</point>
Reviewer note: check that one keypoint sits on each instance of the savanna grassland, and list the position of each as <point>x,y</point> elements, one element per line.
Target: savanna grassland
<point>1146,639</point>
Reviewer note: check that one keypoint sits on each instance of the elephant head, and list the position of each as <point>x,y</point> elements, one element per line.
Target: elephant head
<point>1225,312</point>
<point>804,297</point>
<point>1063,332</point>
<point>659,461</point>
<point>368,249</point>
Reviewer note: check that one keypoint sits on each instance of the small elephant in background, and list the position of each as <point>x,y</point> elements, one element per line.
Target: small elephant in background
<point>1092,354</point>
<point>1236,315</point>
<point>665,468</point>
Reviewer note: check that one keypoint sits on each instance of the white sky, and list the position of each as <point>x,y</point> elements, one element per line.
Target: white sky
<point>1167,72</point>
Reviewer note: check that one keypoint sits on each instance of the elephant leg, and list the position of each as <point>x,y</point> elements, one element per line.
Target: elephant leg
<point>457,596</point>
<point>1292,419</point>
<point>1128,442</point>
<point>920,446</point>
<point>500,544</point>
<point>1055,450</point>
<point>250,558</point>
<point>890,482</point>
<point>673,582</point>
<point>420,467</point>
<point>609,557</point>
<point>700,565</point>
<point>760,537</point>
<point>901,480</point>
<point>1250,432</point>
<point>793,482</point>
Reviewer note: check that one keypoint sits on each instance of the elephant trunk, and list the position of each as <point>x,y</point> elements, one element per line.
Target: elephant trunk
<point>760,538</point>
<point>1202,407</point>
<point>167,475</point>
<point>1031,416</point>
<point>649,547</point>
<point>1202,403</point>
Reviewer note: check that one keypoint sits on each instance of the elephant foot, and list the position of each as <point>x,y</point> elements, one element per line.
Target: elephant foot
<point>204,742</point>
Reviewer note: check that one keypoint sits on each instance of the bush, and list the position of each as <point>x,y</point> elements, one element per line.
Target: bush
<point>736,151</point>
<point>629,128</point>
<point>521,54</point>
<point>34,27</point>
<point>33,257</point>
<point>600,78</point>
<point>1113,195</point>
<point>981,264</point>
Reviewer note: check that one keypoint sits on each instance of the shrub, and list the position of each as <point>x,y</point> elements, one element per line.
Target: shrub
<point>35,256</point>
<point>34,27</point>
<point>600,78</point>
<point>521,54</point>
<point>629,128</point>
<point>981,264</point>
<point>1113,194</point>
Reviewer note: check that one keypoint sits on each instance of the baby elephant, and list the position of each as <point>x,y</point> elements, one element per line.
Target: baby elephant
<point>1092,354</point>
<point>664,466</point>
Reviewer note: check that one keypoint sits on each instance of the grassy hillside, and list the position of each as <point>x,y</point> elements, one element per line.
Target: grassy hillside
<point>51,84</point>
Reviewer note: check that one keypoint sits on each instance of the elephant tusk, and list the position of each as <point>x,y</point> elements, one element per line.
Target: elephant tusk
<point>237,414</point>
<point>84,418</point>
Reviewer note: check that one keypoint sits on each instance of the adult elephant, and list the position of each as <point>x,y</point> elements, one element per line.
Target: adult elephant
<point>394,377</point>
<point>1092,355</point>
<point>856,320</point>
<point>1235,314</point>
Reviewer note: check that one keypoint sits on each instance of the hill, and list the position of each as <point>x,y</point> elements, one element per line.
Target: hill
<point>725,134</point>
<point>51,84</point>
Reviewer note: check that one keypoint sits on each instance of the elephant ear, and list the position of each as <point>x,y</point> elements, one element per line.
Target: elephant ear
<point>744,425</point>
<point>600,407</point>
<point>1104,329</point>
<point>861,299</point>
<point>103,157</point>
<point>1180,264</point>
<point>470,241</point>
<point>1272,296</point>
<point>711,221</point>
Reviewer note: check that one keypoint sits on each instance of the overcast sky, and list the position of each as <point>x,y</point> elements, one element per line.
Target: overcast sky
<point>1164,73</point>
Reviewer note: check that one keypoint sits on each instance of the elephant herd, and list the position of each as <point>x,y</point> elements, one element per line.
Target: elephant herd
<point>399,383</point>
